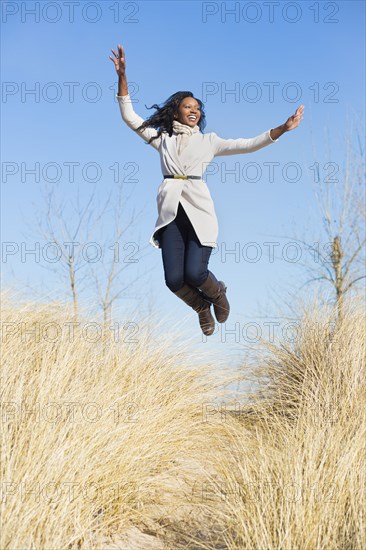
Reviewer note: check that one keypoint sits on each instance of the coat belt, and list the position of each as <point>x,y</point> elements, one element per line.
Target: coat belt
<point>178,177</point>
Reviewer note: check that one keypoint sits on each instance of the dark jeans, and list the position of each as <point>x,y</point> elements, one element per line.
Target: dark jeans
<point>184,258</point>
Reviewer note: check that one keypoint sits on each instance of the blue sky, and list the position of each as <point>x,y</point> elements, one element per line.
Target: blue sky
<point>309,53</point>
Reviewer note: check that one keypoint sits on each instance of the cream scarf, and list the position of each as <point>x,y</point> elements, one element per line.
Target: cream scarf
<point>183,133</point>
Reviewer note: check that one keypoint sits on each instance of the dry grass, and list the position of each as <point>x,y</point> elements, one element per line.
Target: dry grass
<point>298,477</point>
<point>118,454</point>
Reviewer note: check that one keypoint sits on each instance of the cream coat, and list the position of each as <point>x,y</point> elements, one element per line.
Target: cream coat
<point>194,195</point>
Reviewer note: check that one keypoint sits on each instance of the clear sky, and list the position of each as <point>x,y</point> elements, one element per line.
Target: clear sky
<point>252,63</point>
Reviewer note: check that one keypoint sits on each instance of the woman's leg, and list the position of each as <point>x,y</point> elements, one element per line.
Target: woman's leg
<point>197,274</point>
<point>196,261</point>
<point>172,240</point>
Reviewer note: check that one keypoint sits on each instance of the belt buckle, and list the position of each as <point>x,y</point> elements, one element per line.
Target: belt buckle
<point>177,177</point>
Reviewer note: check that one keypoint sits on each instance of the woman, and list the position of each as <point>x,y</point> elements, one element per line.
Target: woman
<point>187,228</point>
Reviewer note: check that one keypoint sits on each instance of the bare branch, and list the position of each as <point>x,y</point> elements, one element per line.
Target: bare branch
<point>353,282</point>
<point>353,257</point>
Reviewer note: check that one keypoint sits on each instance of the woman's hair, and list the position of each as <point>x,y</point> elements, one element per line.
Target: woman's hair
<point>162,119</point>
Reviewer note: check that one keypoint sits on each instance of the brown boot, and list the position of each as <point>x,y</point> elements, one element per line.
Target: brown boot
<point>215,291</point>
<point>193,297</point>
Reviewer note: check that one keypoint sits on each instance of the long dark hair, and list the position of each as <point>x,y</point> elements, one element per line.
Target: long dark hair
<point>162,119</point>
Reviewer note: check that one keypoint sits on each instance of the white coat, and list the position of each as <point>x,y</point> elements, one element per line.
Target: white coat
<point>194,195</point>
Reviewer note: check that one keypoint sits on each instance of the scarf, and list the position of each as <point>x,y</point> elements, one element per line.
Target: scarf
<point>183,133</point>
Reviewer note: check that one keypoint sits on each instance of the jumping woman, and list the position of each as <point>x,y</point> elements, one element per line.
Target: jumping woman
<point>186,229</point>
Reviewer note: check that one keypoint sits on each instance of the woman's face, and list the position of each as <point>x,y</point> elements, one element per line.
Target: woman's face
<point>189,112</point>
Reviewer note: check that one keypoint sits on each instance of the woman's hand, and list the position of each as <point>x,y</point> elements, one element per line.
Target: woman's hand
<point>119,61</point>
<point>294,120</point>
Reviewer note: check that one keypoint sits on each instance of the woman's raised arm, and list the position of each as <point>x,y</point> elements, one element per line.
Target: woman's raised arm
<point>119,61</point>
<point>223,147</point>
<point>132,119</point>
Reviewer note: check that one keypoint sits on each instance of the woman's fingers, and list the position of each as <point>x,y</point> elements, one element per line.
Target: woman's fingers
<point>120,51</point>
<point>118,59</point>
<point>114,53</point>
